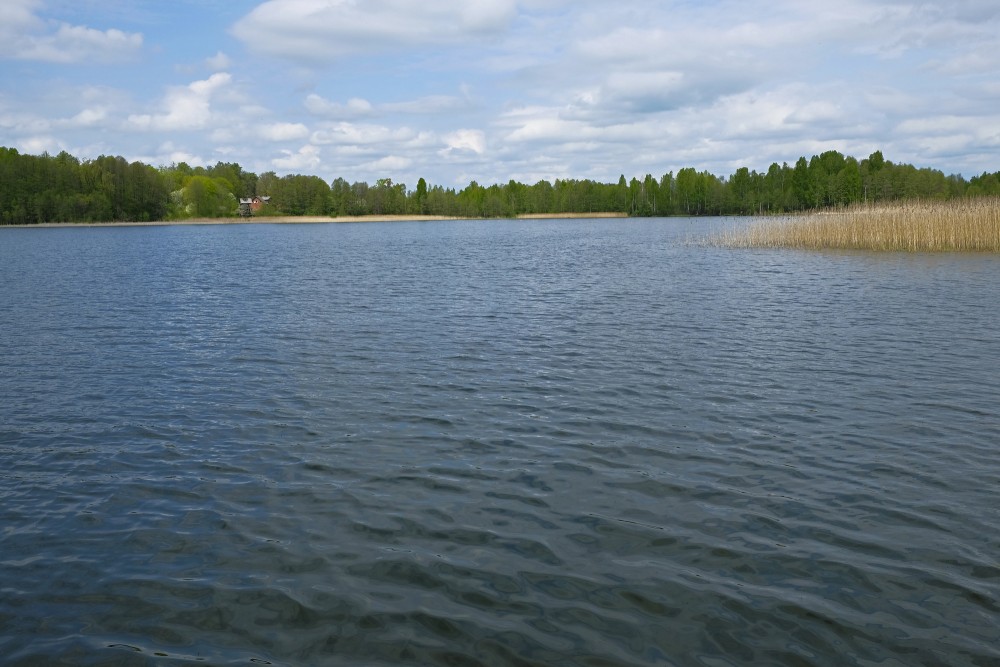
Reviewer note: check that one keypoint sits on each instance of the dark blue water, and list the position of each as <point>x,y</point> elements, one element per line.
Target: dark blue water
<point>494,443</point>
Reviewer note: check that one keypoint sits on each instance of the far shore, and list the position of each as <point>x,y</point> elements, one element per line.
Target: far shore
<point>304,219</point>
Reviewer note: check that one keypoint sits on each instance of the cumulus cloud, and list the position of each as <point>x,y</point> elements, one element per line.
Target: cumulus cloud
<point>316,31</point>
<point>587,89</point>
<point>40,144</point>
<point>307,158</point>
<point>219,62</point>
<point>465,140</point>
<point>25,36</point>
<point>187,108</point>
<point>562,88</point>
<point>283,132</point>
<point>541,126</point>
<point>169,153</point>
<point>88,117</point>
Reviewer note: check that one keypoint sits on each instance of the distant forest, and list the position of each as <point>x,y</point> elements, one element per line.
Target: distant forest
<point>62,188</point>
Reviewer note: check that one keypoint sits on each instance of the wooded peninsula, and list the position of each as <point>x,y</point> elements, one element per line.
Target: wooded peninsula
<point>38,189</point>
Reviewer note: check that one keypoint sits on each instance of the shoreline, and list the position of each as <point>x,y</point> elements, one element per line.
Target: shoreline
<point>309,219</point>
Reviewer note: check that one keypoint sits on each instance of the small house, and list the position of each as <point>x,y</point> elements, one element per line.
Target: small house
<point>252,205</point>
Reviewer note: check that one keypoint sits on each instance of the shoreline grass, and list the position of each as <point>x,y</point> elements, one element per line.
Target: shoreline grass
<point>959,225</point>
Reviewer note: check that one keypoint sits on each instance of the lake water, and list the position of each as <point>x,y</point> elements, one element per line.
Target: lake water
<point>588,442</point>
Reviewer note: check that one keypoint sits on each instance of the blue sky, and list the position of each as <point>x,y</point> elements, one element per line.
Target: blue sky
<point>494,90</point>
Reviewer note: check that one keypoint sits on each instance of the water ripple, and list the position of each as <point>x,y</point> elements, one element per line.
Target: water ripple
<point>542,443</point>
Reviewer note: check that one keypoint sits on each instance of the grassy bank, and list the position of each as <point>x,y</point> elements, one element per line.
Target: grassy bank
<point>960,225</point>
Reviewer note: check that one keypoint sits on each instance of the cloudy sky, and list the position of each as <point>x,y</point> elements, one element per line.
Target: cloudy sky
<point>492,90</point>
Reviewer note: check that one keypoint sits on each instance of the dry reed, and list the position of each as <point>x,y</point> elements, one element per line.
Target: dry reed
<point>960,225</point>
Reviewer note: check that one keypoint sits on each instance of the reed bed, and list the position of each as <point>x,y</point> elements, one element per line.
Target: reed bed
<point>959,225</point>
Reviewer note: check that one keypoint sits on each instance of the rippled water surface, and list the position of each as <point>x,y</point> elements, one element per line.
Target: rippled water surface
<point>494,443</point>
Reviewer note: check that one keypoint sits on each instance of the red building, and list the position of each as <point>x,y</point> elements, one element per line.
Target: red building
<point>252,205</point>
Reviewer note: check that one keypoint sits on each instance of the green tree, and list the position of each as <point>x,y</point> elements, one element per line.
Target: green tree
<point>666,194</point>
<point>849,183</point>
<point>740,187</point>
<point>690,192</point>
<point>206,197</point>
<point>340,197</point>
<point>876,161</point>
<point>420,197</point>
<point>800,196</point>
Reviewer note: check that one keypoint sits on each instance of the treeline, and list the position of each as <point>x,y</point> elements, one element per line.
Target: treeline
<point>38,189</point>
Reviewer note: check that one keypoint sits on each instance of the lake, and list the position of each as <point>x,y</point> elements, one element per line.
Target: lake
<point>561,442</point>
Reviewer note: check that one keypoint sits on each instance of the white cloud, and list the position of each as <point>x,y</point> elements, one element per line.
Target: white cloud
<point>354,108</point>
<point>19,13</point>
<point>316,31</point>
<point>23,123</point>
<point>219,62</point>
<point>88,117</point>
<point>466,140</point>
<point>40,144</point>
<point>24,36</point>
<point>361,134</point>
<point>388,164</point>
<point>569,89</point>
<point>542,126</point>
<point>168,153</point>
<point>187,107</point>
<point>283,132</point>
<point>307,158</point>
<point>950,135</point>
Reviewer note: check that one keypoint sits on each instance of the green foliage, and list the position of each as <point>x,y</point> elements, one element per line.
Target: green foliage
<point>420,196</point>
<point>985,185</point>
<point>38,189</point>
<point>207,197</point>
<point>297,194</point>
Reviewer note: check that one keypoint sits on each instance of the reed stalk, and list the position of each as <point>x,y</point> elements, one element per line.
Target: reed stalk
<point>959,225</point>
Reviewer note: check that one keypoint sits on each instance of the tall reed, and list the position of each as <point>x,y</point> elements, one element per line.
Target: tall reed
<point>958,225</point>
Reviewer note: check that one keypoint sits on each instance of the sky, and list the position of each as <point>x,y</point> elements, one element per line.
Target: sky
<point>493,90</point>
